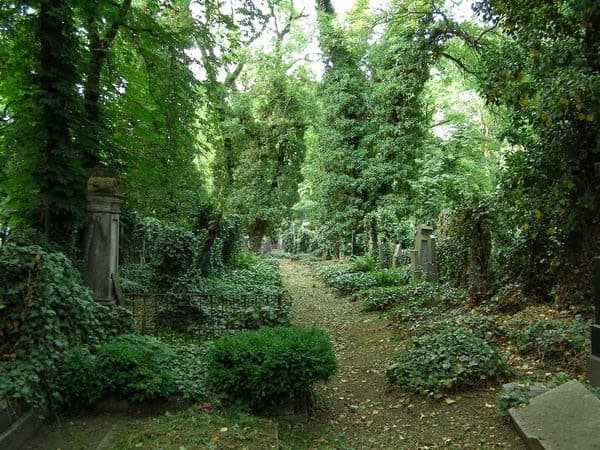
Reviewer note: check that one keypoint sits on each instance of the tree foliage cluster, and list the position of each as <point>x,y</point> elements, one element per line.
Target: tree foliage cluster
<point>487,129</point>
<point>89,83</point>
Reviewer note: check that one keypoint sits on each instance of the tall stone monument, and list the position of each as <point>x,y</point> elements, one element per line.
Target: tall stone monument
<point>101,247</point>
<point>423,256</point>
<point>594,360</point>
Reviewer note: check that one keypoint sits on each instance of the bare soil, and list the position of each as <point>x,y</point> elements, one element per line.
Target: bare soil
<point>360,409</point>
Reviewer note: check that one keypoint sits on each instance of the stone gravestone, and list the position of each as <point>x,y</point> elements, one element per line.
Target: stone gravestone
<point>423,256</point>
<point>101,246</point>
<point>266,245</point>
<point>381,251</point>
<point>396,256</point>
<point>594,360</point>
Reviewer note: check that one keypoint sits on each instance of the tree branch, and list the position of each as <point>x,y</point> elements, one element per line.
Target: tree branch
<point>458,62</point>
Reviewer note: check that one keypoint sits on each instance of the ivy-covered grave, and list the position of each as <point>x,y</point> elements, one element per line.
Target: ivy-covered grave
<point>200,282</point>
<point>46,310</point>
<point>60,349</point>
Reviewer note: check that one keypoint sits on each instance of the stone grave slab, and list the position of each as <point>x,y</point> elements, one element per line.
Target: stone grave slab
<point>565,418</point>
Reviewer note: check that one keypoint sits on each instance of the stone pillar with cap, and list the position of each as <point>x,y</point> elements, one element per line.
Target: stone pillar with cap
<point>101,245</point>
<point>594,360</point>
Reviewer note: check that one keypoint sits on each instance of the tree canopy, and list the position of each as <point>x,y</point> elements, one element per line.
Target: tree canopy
<point>486,128</point>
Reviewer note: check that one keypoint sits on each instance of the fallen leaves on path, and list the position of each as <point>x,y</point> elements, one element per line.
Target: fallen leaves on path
<point>361,405</point>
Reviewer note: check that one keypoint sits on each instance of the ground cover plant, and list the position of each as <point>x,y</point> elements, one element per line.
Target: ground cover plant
<point>359,275</point>
<point>451,359</point>
<point>134,368</point>
<point>551,340</point>
<point>258,370</point>
<point>420,294</point>
<point>46,310</point>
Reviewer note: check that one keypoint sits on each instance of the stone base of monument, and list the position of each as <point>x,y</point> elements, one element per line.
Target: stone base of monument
<point>296,410</point>
<point>567,417</point>
<point>594,370</point>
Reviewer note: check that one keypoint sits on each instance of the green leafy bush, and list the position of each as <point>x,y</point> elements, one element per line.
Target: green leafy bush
<point>488,328</point>
<point>410,298</point>
<point>347,283</point>
<point>551,339</point>
<point>327,270</point>
<point>263,368</point>
<point>450,359</point>
<point>45,309</point>
<point>256,317</point>
<point>391,277</point>
<point>172,251</point>
<point>132,367</point>
<point>380,298</point>
<point>135,278</point>
<point>190,368</point>
<point>81,384</point>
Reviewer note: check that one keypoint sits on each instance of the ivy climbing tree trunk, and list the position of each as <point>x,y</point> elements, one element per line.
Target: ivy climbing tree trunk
<point>99,48</point>
<point>58,172</point>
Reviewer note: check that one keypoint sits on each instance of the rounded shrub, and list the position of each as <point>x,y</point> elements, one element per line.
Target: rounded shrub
<point>453,358</point>
<point>260,369</point>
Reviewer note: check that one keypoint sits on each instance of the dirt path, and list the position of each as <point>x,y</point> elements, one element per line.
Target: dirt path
<point>361,410</point>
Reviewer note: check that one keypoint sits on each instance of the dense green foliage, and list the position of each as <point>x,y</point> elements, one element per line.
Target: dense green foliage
<point>261,369</point>
<point>133,368</point>
<point>220,125</point>
<point>45,311</point>
<point>552,339</point>
<point>405,297</point>
<point>485,128</point>
<point>450,359</point>
<point>88,83</point>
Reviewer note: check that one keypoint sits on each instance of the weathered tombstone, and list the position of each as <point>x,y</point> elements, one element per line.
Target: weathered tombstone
<point>372,237</point>
<point>341,250</point>
<point>280,242</point>
<point>4,232</point>
<point>594,360</point>
<point>396,256</point>
<point>423,256</point>
<point>266,245</point>
<point>101,247</point>
<point>384,251</point>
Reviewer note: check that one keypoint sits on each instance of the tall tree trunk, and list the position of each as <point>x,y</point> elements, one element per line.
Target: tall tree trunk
<point>99,48</point>
<point>58,173</point>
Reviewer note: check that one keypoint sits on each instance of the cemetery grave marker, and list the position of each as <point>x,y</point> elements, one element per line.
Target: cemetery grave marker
<point>101,247</point>
<point>423,256</point>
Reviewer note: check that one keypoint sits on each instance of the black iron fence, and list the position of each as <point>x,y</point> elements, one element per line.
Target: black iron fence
<point>202,315</point>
